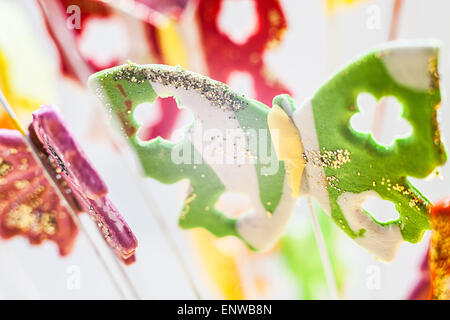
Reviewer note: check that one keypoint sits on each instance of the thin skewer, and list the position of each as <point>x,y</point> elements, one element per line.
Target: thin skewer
<point>11,113</point>
<point>127,279</point>
<point>37,158</point>
<point>377,123</point>
<point>393,30</point>
<point>82,72</point>
<point>323,252</point>
<point>156,213</point>
<point>377,129</point>
<point>333,51</point>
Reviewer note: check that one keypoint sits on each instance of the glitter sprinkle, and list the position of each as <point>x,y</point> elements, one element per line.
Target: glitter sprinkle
<point>414,201</point>
<point>58,159</point>
<point>219,94</point>
<point>433,73</point>
<point>327,158</point>
<point>187,208</point>
<point>48,223</point>
<point>333,182</point>
<point>21,184</point>
<point>5,167</point>
<point>21,217</point>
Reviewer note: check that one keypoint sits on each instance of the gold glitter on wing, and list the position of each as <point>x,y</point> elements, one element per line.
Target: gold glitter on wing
<point>219,94</point>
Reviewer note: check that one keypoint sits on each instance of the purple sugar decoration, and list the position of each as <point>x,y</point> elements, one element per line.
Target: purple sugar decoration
<point>49,132</point>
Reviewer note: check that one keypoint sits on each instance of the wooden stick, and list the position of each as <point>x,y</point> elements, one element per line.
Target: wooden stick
<point>324,256</point>
<point>52,183</point>
<point>154,210</point>
<point>377,124</point>
<point>82,71</point>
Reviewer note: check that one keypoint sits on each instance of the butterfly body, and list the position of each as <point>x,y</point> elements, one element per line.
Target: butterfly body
<point>238,147</point>
<point>342,167</point>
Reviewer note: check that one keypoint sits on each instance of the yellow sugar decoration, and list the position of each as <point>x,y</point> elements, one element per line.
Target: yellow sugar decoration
<point>172,46</point>
<point>220,266</point>
<point>27,73</point>
<point>288,146</point>
<point>23,105</point>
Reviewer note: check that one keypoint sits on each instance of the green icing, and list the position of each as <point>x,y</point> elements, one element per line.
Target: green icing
<point>372,166</point>
<point>270,185</point>
<point>121,96</point>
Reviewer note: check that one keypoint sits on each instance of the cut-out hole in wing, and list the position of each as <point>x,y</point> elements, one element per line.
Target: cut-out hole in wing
<point>147,115</point>
<point>382,119</point>
<point>238,19</point>
<point>381,210</point>
<point>162,118</point>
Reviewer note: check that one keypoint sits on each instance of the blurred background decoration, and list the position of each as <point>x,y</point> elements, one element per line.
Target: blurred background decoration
<point>262,48</point>
<point>25,85</point>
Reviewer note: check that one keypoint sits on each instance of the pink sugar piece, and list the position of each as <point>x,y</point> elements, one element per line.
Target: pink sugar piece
<point>50,134</point>
<point>51,130</point>
<point>115,230</point>
<point>29,206</point>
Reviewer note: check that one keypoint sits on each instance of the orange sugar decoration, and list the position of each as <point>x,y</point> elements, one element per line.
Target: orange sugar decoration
<point>440,250</point>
